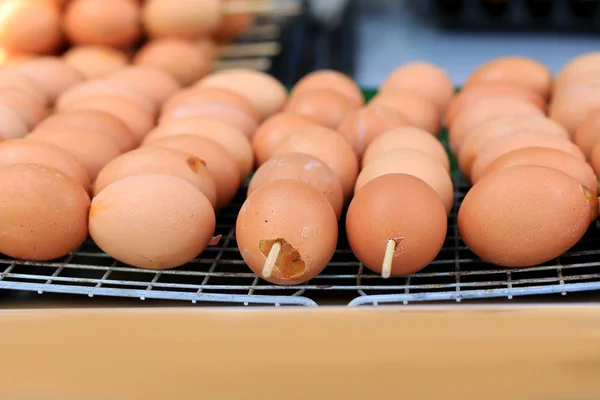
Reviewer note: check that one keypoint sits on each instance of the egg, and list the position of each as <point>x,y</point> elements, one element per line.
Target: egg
<point>520,71</point>
<point>25,151</point>
<point>11,78</point>
<point>400,209</point>
<point>12,124</point>
<point>423,78</point>
<point>418,110</point>
<point>572,108</point>
<point>469,120</point>
<point>411,162</point>
<point>407,137</point>
<point>184,18</point>
<point>152,221</point>
<point>588,133</point>
<point>327,107</point>
<point>327,79</point>
<point>506,144</point>
<point>295,216</point>
<point>274,130</point>
<point>31,110</point>
<point>362,126</point>
<point>584,64</point>
<point>221,165</point>
<point>30,26</point>
<point>328,146</point>
<point>51,74</point>
<point>266,93</point>
<point>43,213</point>
<point>154,83</point>
<point>113,23</point>
<point>304,168</point>
<point>166,55</point>
<point>96,121</point>
<point>502,126</point>
<point>95,62</point>
<point>482,91</point>
<point>525,215</point>
<point>218,103</point>
<point>234,141</point>
<point>233,25</point>
<point>91,149</point>
<point>595,159</point>
<point>590,78</point>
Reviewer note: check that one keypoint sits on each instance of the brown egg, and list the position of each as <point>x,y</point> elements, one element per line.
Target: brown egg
<point>502,126</point>
<point>153,221</point>
<point>274,130</point>
<point>154,83</point>
<point>166,55</point>
<point>185,19</point>
<point>595,159</point>
<point>43,213</point>
<point>362,126</point>
<point>30,26</point>
<point>470,118</point>
<point>91,149</point>
<point>113,23</point>
<point>327,79</point>
<point>423,78</point>
<point>138,120</point>
<point>328,146</point>
<point>266,93</point>
<point>25,151</point>
<point>95,62</point>
<point>11,78</point>
<point>96,121</point>
<point>232,25</point>
<point>407,137</point>
<point>327,107</point>
<point>221,165</point>
<point>571,109</point>
<point>584,64</point>
<point>588,133</point>
<point>525,215</point>
<point>12,125</point>
<point>418,110</point>
<point>234,141</point>
<point>515,141</point>
<point>218,103</point>
<point>590,78</point>
<point>521,71</point>
<point>52,75</point>
<point>412,162</point>
<point>396,208</point>
<point>482,91</point>
<point>304,168</point>
<point>295,216</point>
<point>8,59</point>
<point>31,110</point>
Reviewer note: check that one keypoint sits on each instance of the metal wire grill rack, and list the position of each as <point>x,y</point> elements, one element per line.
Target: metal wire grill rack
<point>219,275</point>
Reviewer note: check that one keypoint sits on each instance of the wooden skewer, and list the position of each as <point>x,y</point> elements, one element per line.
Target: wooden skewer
<point>263,49</point>
<point>386,267</point>
<point>261,64</point>
<point>261,7</point>
<point>271,259</point>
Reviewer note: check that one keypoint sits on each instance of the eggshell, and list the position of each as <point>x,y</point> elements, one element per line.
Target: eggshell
<point>221,165</point>
<point>274,130</point>
<point>411,162</point>
<point>234,141</point>
<point>232,25</point>
<point>92,150</point>
<point>31,110</point>
<point>521,71</point>
<point>218,103</point>
<point>426,79</point>
<point>43,213</point>
<point>502,126</point>
<point>407,137</point>
<point>95,62</point>
<point>154,83</point>
<point>588,134</point>
<point>595,159</point>
<point>183,18</point>
<point>266,93</point>
<point>51,74</point>
<point>25,151</point>
<point>578,80</point>
<point>327,107</point>
<point>328,146</point>
<point>30,26</point>
<point>327,79</point>
<point>296,215</point>
<point>418,110</point>
<point>506,144</point>
<point>362,126</point>
<point>572,108</point>
<point>482,91</point>
<point>11,78</point>
<point>304,168</point>
<point>96,121</point>
<point>153,221</point>
<point>525,215</point>
<point>166,55</point>
<point>469,120</point>
<point>12,125</point>
<point>396,207</point>
<point>571,165</point>
<point>586,63</point>
<point>108,23</point>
